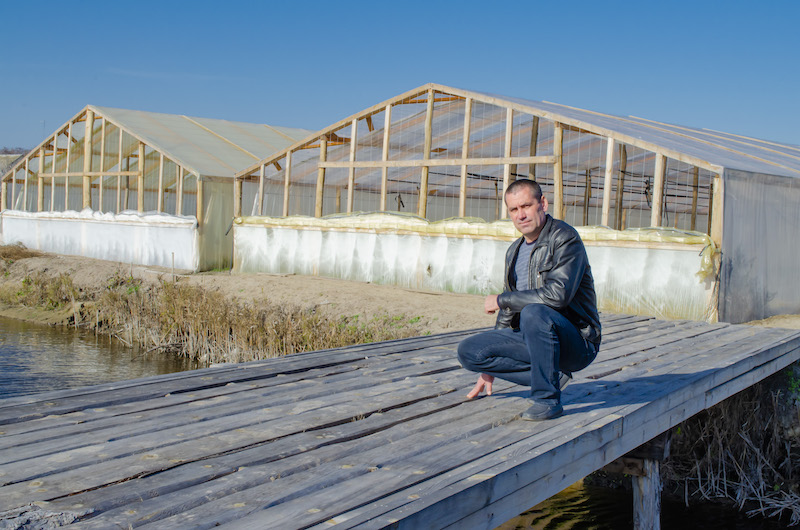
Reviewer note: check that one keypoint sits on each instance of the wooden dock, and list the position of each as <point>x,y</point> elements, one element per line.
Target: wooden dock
<point>360,437</point>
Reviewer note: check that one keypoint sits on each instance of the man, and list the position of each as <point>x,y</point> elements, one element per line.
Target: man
<point>547,326</point>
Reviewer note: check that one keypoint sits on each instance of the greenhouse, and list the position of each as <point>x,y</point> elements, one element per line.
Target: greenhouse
<point>678,222</point>
<point>136,187</point>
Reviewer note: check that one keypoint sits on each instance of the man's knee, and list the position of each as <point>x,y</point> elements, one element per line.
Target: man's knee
<point>538,315</point>
<point>467,353</point>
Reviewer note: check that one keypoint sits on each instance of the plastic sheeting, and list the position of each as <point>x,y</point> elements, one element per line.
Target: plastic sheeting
<point>663,273</point>
<point>128,237</point>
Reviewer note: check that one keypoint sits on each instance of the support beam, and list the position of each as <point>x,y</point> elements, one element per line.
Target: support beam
<point>69,155</point>
<point>101,186</point>
<point>587,196</point>
<point>287,181</point>
<point>387,122</point>
<point>623,166</point>
<point>533,146</point>
<point>323,156</point>
<point>52,171</point>
<point>657,205</point>
<point>260,197</point>
<point>422,204</point>
<point>4,193</point>
<point>695,185</point>
<point>237,197</point>
<point>351,172</point>
<point>87,160</point>
<point>160,198</point>
<point>40,183</point>
<point>558,176</point>
<point>199,210</point>
<point>25,186</point>
<point>462,192</point>
<point>716,204</point>
<point>608,178</point>
<point>179,191</point>
<point>507,154</point>
<point>140,180</point>
<point>119,177</point>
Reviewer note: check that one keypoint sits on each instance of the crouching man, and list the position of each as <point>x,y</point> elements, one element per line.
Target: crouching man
<point>547,322</point>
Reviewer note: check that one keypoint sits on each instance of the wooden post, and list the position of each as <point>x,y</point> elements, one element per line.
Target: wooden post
<point>534,141</point>
<point>695,184</point>
<point>558,176</point>
<point>715,210</point>
<point>338,202</point>
<point>87,160</point>
<point>160,198</point>
<point>25,186</point>
<point>40,183</point>
<point>507,154</point>
<point>53,170</point>
<point>237,197</point>
<point>422,205</point>
<point>179,192</point>
<point>200,197</point>
<point>323,156</point>
<point>4,193</point>
<point>623,166</point>
<point>100,186</point>
<point>119,167</point>
<point>462,192</point>
<point>387,123</point>
<point>351,171</point>
<point>647,496</point>
<point>658,190</point>
<point>140,180</point>
<point>66,179</point>
<point>287,181</point>
<point>260,198</point>
<point>607,181</point>
<point>587,196</point>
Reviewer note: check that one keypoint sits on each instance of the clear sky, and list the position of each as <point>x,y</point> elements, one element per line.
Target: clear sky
<point>732,66</point>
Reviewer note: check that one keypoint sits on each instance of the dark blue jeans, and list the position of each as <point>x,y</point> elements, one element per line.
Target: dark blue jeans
<point>545,344</point>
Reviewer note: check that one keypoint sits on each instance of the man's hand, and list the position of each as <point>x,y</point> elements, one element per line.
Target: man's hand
<point>490,304</point>
<point>484,383</point>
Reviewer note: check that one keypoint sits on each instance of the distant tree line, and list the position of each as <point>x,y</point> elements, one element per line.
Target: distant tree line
<point>13,150</point>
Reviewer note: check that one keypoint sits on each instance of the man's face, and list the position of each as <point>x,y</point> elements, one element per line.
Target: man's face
<point>527,213</point>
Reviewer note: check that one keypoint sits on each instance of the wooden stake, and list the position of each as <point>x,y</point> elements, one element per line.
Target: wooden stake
<point>87,160</point>
<point>647,496</point>
<point>558,176</point>
<point>237,197</point>
<point>695,184</point>
<point>533,146</point>
<point>351,172</point>
<point>140,180</point>
<point>623,166</point>
<point>338,204</point>
<point>507,154</point>
<point>323,156</point>
<point>422,205</point>
<point>287,180</point>
<point>387,122</point>
<point>462,192</point>
<point>658,190</point>
<point>607,181</point>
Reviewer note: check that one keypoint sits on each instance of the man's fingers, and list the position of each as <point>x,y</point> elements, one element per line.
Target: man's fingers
<point>475,390</point>
<point>488,388</point>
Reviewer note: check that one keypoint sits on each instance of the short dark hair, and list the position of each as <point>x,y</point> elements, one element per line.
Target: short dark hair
<point>532,185</point>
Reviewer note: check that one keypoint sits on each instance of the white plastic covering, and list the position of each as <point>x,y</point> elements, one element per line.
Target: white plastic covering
<point>659,273</point>
<point>128,237</point>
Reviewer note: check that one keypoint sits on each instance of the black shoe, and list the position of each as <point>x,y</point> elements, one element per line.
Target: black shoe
<point>564,379</point>
<point>542,411</point>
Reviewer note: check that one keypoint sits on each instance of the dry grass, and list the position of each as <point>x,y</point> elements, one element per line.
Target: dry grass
<point>746,449</point>
<point>42,291</point>
<point>209,327</point>
<point>11,253</point>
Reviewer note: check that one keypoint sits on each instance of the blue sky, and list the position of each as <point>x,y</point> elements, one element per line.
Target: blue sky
<point>730,66</point>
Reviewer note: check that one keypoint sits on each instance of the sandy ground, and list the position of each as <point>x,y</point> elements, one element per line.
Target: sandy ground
<point>437,312</point>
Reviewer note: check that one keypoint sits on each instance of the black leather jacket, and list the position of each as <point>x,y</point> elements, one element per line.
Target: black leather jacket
<point>559,277</point>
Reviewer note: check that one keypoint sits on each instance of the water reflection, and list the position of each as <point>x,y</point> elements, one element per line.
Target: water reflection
<point>582,507</point>
<point>37,358</point>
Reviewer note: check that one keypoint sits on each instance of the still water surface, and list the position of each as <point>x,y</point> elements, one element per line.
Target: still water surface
<point>36,358</point>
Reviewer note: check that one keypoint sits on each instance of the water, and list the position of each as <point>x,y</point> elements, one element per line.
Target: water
<point>37,358</point>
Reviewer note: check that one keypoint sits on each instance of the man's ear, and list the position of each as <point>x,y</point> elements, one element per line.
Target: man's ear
<point>544,203</point>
